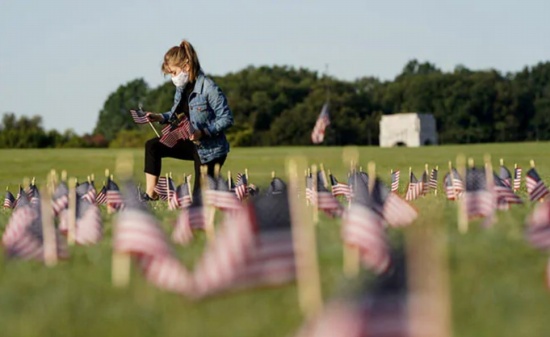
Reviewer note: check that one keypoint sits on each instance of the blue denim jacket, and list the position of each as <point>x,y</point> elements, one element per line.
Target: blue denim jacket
<point>208,112</point>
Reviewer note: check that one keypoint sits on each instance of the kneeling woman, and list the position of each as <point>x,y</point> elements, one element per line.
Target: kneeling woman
<point>199,99</point>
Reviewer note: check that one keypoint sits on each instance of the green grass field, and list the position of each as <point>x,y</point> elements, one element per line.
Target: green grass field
<point>497,280</point>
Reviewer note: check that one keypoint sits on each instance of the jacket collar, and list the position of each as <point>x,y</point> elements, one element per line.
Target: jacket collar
<point>199,83</point>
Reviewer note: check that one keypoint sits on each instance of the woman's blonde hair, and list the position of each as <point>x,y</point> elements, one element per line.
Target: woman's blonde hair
<point>181,55</point>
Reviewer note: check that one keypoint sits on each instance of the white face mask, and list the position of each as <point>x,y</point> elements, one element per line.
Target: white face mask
<point>181,79</point>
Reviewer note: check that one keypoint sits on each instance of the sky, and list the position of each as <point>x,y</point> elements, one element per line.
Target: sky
<point>60,59</point>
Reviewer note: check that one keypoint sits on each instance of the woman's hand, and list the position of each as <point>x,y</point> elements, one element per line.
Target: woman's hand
<point>154,117</point>
<point>196,136</point>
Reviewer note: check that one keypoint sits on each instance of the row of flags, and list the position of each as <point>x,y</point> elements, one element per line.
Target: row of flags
<point>172,132</point>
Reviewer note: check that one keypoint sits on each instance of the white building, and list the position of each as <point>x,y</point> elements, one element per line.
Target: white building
<point>408,129</point>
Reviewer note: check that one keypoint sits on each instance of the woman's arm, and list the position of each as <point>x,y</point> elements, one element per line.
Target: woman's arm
<point>224,116</point>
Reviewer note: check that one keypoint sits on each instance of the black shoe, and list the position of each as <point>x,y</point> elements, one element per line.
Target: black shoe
<point>144,197</point>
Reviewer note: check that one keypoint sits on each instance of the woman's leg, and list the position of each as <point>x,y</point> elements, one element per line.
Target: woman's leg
<point>154,152</point>
<point>210,165</point>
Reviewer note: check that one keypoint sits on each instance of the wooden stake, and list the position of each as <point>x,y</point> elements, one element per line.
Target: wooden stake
<point>207,208</point>
<point>71,234</point>
<point>462,215</point>
<point>490,181</point>
<point>305,248</point>
<point>48,229</point>
<point>532,163</point>
<point>121,262</point>
<point>314,194</point>
<point>190,191</point>
<point>435,189</point>
<point>229,180</point>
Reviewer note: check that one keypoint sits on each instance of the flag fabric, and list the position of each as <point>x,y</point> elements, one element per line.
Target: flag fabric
<point>321,197</point>
<point>60,198</point>
<point>171,135</point>
<point>89,227</point>
<point>253,248</point>
<point>375,309</point>
<point>478,199</point>
<point>395,180</point>
<point>190,218</point>
<point>220,195</point>
<point>504,193</point>
<point>23,237</point>
<point>453,185</point>
<point>20,194</point>
<point>183,196</point>
<point>160,188</point>
<point>517,178</point>
<point>414,189</point>
<point>536,188</point>
<point>114,198</point>
<point>338,188</point>
<point>101,198</point>
<point>138,233</point>
<point>363,228</point>
<point>9,200</point>
<point>425,183</point>
<point>318,133</point>
<point>241,186</point>
<point>505,175</point>
<point>33,194</point>
<point>433,179</point>
<point>139,116</point>
<point>537,230</point>
<point>86,191</point>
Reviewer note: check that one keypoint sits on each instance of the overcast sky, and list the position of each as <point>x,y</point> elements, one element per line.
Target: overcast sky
<point>61,59</point>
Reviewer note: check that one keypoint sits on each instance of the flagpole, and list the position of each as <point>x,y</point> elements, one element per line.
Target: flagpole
<point>351,253</point>
<point>208,225</point>
<point>462,215</point>
<point>48,229</point>
<point>490,186</point>
<point>435,189</point>
<point>71,213</point>
<point>152,127</point>
<point>314,194</point>
<point>305,247</point>
<point>121,262</point>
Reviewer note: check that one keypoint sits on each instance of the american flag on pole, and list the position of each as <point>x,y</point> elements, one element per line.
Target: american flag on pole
<point>479,200</point>
<point>505,194</point>
<point>20,195</point>
<point>241,186</point>
<point>517,178</point>
<point>220,195</point>
<point>535,186</point>
<point>254,248</point>
<point>433,179</point>
<point>538,226</point>
<point>101,197</point>
<point>33,194</point>
<point>139,116</point>
<point>137,232</point>
<point>160,188</point>
<point>114,198</point>
<point>363,227</point>
<point>183,195</point>
<point>425,181</point>
<point>171,135</point>
<point>89,228</point>
<point>9,200</point>
<point>414,189</point>
<point>505,175</point>
<point>60,198</point>
<point>318,133</point>
<point>395,180</point>
<point>453,185</point>
<point>338,188</point>
<point>86,191</point>
<point>321,197</point>
<point>23,237</point>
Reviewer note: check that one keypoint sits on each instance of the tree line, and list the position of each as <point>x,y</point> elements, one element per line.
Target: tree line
<point>278,105</point>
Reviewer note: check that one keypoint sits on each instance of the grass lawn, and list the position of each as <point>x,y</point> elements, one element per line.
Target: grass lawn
<point>496,279</point>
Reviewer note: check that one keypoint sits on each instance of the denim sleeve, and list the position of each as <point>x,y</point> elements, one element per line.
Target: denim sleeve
<point>224,116</point>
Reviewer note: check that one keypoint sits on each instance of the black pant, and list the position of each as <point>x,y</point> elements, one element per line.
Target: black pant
<point>185,150</point>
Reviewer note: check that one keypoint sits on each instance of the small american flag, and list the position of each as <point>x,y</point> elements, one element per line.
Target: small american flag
<point>535,186</point>
<point>453,185</point>
<point>21,195</point>
<point>137,232</point>
<point>339,188</point>
<point>254,248</point>
<point>114,198</point>
<point>318,133</point>
<point>538,226</point>
<point>517,178</point>
<point>89,228</point>
<point>139,116</point>
<point>414,189</point>
<point>160,188</point>
<point>241,189</point>
<point>101,197</point>
<point>183,196</point>
<point>395,180</point>
<point>171,135</point>
<point>478,200</point>
<point>86,191</point>
<point>505,175</point>
<point>60,198</point>
<point>321,197</point>
<point>425,185</point>
<point>505,195</point>
<point>433,179</point>
<point>363,227</point>
<point>9,200</point>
